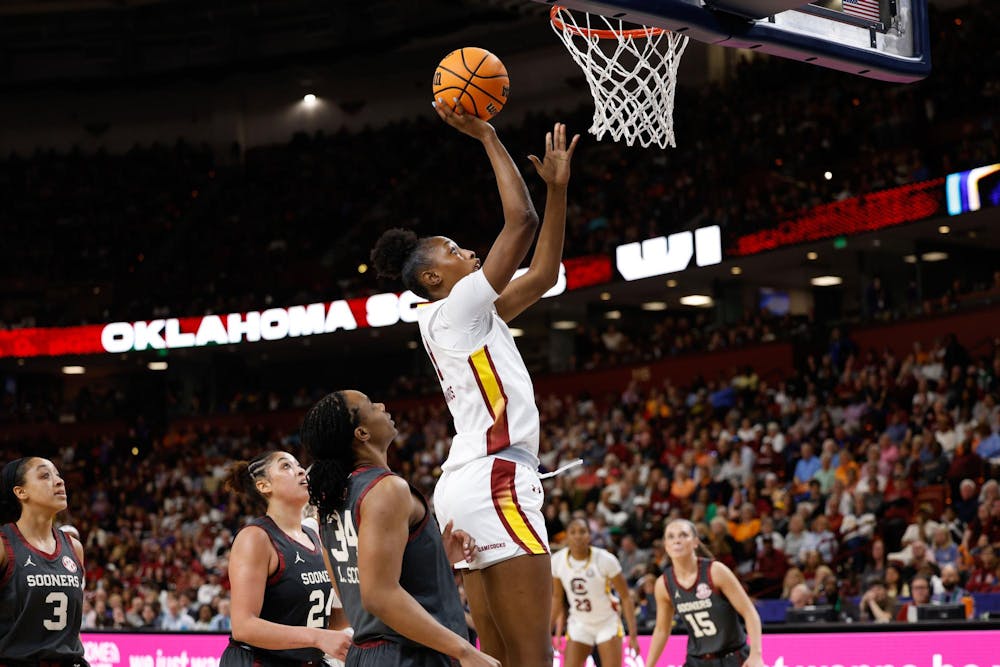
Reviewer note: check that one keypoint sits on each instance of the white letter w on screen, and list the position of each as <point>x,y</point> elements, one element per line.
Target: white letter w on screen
<point>669,254</point>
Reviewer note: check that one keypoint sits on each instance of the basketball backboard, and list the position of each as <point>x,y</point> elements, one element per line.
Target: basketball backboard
<point>880,39</point>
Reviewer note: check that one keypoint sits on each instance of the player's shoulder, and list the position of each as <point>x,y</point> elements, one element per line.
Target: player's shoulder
<point>606,560</point>
<point>559,558</point>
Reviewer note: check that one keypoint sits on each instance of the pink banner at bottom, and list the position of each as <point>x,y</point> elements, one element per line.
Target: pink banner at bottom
<point>946,648</point>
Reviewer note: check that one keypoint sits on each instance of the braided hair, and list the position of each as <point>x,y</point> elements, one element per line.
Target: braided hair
<point>241,478</point>
<point>398,253</point>
<point>328,435</point>
<point>12,475</point>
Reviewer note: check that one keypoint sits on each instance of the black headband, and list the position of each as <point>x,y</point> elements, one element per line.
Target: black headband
<point>9,475</point>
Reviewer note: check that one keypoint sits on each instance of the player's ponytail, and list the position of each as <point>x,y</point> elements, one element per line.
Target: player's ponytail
<point>328,435</point>
<point>398,253</point>
<point>12,475</point>
<point>241,478</point>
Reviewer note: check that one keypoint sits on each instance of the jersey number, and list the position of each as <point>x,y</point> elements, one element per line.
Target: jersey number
<point>344,533</point>
<point>60,603</point>
<point>583,604</point>
<point>701,625</point>
<point>321,609</point>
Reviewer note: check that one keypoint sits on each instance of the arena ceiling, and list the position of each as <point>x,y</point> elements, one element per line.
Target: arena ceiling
<point>45,41</point>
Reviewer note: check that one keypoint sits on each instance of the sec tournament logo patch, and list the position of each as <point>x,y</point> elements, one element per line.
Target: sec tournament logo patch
<point>69,564</point>
<point>703,591</point>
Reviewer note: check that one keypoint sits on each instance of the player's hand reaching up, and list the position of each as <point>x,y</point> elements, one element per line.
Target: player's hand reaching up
<point>464,122</point>
<point>554,167</point>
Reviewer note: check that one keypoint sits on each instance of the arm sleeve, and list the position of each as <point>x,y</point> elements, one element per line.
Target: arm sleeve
<point>610,565</point>
<point>465,314</point>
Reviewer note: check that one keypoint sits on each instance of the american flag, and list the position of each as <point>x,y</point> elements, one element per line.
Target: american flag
<point>865,9</point>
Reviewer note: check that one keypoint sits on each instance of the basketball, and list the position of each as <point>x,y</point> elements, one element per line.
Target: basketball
<point>476,78</point>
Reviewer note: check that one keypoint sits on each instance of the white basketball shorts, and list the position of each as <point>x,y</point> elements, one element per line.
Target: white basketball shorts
<point>584,631</point>
<point>498,503</point>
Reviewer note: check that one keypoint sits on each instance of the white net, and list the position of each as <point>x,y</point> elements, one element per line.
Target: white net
<point>632,74</point>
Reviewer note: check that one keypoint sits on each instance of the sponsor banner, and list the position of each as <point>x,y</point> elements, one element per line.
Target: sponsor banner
<point>924,648</point>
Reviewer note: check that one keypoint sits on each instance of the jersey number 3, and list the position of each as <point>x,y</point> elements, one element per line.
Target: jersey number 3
<point>60,605</point>
<point>701,625</point>
<point>346,536</point>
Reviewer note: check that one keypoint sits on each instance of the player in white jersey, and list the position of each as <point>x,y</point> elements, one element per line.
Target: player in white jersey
<point>586,575</point>
<point>490,486</point>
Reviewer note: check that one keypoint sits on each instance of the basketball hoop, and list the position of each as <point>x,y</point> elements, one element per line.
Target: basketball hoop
<point>632,74</point>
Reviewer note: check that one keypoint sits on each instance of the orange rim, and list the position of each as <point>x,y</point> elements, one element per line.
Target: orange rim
<point>600,34</point>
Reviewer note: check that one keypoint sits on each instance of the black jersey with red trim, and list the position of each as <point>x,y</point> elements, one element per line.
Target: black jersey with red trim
<point>426,573</point>
<point>714,626</point>
<point>41,600</point>
<point>299,592</point>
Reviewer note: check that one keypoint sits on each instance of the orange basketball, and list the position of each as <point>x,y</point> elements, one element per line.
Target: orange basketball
<point>476,78</point>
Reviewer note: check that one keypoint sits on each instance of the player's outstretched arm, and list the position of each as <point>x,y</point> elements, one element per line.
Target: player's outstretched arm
<point>664,623</point>
<point>543,272</point>
<point>731,587</point>
<point>520,219</point>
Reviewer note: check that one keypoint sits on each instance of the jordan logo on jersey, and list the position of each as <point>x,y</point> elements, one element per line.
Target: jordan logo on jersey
<point>298,558</point>
<point>29,562</point>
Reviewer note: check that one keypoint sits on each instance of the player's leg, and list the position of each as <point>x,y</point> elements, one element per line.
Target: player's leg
<point>519,593</point>
<point>610,651</point>
<point>490,640</point>
<point>576,654</point>
<point>580,640</point>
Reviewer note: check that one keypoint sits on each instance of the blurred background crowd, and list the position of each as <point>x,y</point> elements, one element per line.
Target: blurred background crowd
<point>863,480</point>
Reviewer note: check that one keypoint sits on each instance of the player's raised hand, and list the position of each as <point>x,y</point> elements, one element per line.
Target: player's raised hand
<point>554,167</point>
<point>466,123</point>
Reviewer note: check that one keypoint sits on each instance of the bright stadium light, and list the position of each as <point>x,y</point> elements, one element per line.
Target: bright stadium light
<point>309,99</point>
<point>613,315</point>
<point>516,333</point>
<point>73,370</point>
<point>700,300</point>
<point>935,256</point>
<point>654,306</point>
<point>564,325</point>
<point>826,281</point>
<point>157,365</point>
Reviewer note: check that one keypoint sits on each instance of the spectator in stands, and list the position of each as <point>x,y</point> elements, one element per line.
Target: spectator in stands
<point>951,592</point>
<point>222,622</point>
<point>876,605</point>
<point>895,585</point>
<point>806,468</point>
<point>945,551</point>
<point>920,588</point>
<point>984,577</point>
<point>800,596</point>
<point>769,568</point>
<point>793,577</point>
<point>175,618</point>
<point>968,501</point>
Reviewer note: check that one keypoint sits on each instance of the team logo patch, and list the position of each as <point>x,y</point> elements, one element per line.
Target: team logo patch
<point>590,572</point>
<point>703,591</point>
<point>69,564</point>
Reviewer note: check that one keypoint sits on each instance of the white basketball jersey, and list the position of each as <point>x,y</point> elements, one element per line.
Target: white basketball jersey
<point>588,583</point>
<point>488,391</point>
